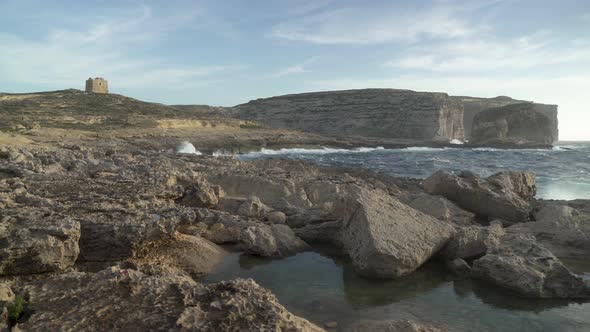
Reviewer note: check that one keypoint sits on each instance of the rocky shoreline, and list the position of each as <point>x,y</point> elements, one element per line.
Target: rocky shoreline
<point>104,226</point>
<point>92,236</point>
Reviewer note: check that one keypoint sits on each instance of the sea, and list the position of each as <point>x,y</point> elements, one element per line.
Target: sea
<point>322,286</point>
<point>562,172</point>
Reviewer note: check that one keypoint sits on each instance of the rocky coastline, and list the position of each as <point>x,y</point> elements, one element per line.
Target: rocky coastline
<point>84,226</point>
<point>104,225</point>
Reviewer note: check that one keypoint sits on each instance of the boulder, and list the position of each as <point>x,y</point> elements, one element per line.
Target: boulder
<point>392,326</point>
<point>271,240</point>
<point>442,209</point>
<point>219,233</point>
<point>505,195</point>
<point>37,241</point>
<point>192,254</point>
<point>276,217</point>
<point>253,208</point>
<point>386,238</point>
<point>200,194</point>
<point>562,229</point>
<point>325,232</point>
<point>518,263</point>
<point>118,299</point>
<point>472,242</point>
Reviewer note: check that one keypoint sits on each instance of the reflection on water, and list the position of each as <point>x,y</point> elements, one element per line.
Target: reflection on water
<point>321,286</point>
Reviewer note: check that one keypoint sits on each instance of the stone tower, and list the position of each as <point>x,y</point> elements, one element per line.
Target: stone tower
<point>97,85</point>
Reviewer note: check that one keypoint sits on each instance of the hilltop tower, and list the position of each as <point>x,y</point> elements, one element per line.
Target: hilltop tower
<point>97,85</point>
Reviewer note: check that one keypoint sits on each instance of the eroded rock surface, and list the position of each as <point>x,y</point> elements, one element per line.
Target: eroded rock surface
<point>505,195</point>
<point>123,300</point>
<point>386,113</point>
<point>562,229</point>
<point>519,263</point>
<point>36,241</point>
<point>386,238</point>
<point>516,124</point>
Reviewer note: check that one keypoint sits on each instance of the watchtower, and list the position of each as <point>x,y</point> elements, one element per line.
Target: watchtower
<point>97,85</point>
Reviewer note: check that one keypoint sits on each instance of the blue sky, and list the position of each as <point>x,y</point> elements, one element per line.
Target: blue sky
<point>228,52</point>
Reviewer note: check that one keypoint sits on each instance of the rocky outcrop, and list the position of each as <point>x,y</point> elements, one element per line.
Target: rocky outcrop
<point>386,238</point>
<point>442,209</point>
<point>524,124</point>
<point>518,263</point>
<point>472,242</point>
<point>383,113</point>
<point>505,195</point>
<point>123,300</point>
<point>271,240</point>
<point>562,229</point>
<point>36,241</point>
<point>474,105</point>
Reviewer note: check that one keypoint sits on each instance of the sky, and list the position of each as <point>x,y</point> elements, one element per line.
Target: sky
<point>229,52</point>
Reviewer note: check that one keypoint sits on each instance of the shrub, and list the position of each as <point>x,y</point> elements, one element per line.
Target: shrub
<point>16,309</point>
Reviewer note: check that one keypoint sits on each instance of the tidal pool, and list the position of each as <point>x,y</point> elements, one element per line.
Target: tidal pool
<point>322,286</point>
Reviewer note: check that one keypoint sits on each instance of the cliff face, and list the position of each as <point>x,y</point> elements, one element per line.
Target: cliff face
<point>473,105</point>
<point>521,124</point>
<point>384,113</point>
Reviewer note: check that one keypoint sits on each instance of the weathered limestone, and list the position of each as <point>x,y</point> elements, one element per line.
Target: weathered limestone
<point>472,241</point>
<point>253,208</point>
<point>191,254</point>
<point>386,238</point>
<point>516,124</point>
<point>442,209</point>
<point>123,300</point>
<point>37,241</point>
<point>200,194</point>
<point>271,240</point>
<point>505,195</point>
<point>562,229</point>
<point>518,263</point>
<point>385,113</point>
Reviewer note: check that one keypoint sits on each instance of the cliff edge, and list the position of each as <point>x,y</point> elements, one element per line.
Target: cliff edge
<point>517,124</point>
<point>382,113</point>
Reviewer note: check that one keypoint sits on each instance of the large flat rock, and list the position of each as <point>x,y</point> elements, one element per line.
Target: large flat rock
<point>519,263</point>
<point>386,238</point>
<point>505,195</point>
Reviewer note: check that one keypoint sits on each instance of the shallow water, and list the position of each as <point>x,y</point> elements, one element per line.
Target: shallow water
<point>562,173</point>
<point>321,286</point>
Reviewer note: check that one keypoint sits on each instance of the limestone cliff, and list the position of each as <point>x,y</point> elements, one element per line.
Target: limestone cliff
<point>474,105</point>
<point>383,113</point>
<point>520,124</point>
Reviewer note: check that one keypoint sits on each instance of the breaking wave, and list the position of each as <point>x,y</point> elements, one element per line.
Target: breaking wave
<point>323,150</point>
<point>187,147</point>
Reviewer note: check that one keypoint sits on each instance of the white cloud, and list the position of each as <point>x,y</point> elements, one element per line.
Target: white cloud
<point>111,47</point>
<point>480,54</point>
<point>297,68</point>
<point>367,25</point>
